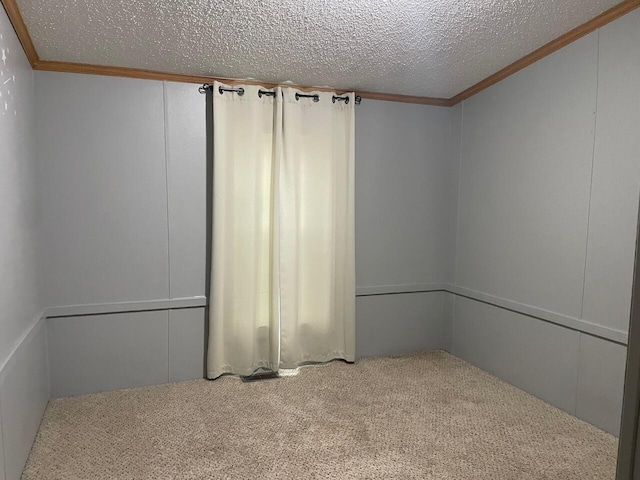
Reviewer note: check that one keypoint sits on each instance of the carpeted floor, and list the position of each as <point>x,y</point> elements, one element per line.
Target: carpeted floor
<point>426,416</point>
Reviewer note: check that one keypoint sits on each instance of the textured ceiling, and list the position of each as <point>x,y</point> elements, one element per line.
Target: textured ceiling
<point>431,48</point>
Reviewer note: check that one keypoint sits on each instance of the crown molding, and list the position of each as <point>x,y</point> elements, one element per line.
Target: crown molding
<point>16,20</point>
<point>27,44</point>
<point>551,47</point>
<point>86,68</point>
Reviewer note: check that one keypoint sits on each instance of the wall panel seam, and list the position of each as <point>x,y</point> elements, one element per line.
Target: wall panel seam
<point>572,323</point>
<point>593,161</point>
<point>165,131</point>
<point>47,356</point>
<point>575,408</point>
<point>168,313</point>
<point>2,440</point>
<point>458,194</point>
<point>126,307</point>
<point>400,289</point>
<point>20,343</point>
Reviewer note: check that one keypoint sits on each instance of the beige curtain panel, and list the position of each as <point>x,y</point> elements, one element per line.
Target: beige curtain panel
<point>283,262</point>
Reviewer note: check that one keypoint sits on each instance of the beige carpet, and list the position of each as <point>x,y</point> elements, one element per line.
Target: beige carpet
<point>427,416</point>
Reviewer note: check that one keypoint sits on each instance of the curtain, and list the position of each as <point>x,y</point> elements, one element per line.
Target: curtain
<point>283,265</point>
<point>316,217</point>
<point>243,330</point>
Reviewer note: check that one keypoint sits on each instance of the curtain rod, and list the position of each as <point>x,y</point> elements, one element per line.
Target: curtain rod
<point>240,91</point>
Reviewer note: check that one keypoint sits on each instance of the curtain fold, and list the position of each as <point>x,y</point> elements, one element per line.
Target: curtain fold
<point>283,263</point>
<point>316,244</point>
<point>243,332</point>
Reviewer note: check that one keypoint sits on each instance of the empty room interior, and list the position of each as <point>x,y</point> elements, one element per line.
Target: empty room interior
<point>342,239</point>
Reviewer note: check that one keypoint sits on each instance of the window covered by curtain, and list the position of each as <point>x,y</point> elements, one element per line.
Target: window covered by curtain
<point>283,267</point>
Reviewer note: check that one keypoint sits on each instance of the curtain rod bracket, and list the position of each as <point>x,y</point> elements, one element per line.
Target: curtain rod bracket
<point>209,87</point>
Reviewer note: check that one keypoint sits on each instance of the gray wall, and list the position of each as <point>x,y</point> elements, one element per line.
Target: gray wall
<point>521,202</point>
<point>549,184</point>
<point>107,169</point>
<point>122,168</point>
<point>24,383</point>
<point>20,302</point>
<point>406,193</point>
<point>406,196</point>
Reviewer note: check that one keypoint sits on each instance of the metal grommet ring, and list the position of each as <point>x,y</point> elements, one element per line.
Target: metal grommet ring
<point>316,97</point>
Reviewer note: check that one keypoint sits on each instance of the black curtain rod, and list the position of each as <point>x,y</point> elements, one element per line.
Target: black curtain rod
<point>240,91</point>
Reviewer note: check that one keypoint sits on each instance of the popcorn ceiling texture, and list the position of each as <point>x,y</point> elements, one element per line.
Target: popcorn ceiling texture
<point>414,47</point>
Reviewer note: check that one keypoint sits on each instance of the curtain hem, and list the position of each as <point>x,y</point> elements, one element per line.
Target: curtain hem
<point>319,359</point>
<point>243,372</point>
